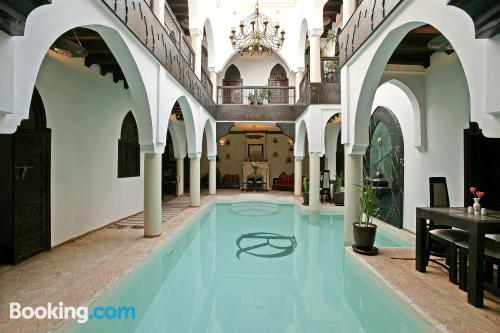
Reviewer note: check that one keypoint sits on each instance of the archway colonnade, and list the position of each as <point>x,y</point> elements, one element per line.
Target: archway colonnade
<point>149,96</point>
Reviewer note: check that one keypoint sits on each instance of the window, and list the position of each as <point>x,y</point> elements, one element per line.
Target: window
<point>129,154</point>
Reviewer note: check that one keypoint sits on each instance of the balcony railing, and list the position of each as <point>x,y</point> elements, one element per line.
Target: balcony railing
<point>255,95</point>
<point>366,19</point>
<point>171,50</point>
<point>205,80</point>
<point>177,35</point>
<point>325,92</point>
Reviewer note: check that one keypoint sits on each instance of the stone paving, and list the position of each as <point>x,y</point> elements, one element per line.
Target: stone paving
<point>432,294</point>
<point>77,272</point>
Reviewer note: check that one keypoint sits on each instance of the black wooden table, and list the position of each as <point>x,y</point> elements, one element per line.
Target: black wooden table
<point>476,225</point>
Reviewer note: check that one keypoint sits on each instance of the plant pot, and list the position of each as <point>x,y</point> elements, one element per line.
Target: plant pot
<point>338,198</point>
<point>305,196</point>
<point>364,236</point>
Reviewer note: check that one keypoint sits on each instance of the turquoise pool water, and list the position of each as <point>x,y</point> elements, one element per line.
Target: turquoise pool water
<point>236,273</point>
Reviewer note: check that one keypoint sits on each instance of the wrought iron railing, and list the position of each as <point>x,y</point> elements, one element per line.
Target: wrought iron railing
<point>255,95</point>
<point>176,58</point>
<point>304,84</point>
<point>205,80</point>
<point>175,33</point>
<point>367,17</point>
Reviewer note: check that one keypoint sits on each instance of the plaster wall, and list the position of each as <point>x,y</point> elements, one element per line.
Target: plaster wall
<point>447,108</point>
<point>237,152</point>
<point>255,70</point>
<point>85,112</point>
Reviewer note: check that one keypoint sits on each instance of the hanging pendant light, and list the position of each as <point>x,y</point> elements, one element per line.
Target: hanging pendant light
<point>257,34</point>
<point>69,48</point>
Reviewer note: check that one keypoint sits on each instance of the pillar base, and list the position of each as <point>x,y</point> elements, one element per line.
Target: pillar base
<point>152,236</point>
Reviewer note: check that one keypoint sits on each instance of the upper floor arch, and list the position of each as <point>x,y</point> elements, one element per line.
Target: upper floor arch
<point>362,73</point>
<point>32,47</point>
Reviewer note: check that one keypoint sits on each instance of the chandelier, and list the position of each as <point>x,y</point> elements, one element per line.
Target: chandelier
<point>257,34</point>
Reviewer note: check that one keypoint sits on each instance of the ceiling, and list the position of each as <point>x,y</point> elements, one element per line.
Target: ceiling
<point>98,52</point>
<point>413,49</point>
<point>180,9</point>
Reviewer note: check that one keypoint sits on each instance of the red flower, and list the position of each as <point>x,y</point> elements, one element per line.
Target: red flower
<point>480,194</point>
<point>473,190</point>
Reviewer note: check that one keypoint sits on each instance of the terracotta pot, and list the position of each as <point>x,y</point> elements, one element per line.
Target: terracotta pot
<point>364,236</point>
<point>305,196</point>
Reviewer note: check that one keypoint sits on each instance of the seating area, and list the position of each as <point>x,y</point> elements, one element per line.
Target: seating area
<point>231,181</point>
<point>284,182</point>
<point>468,241</point>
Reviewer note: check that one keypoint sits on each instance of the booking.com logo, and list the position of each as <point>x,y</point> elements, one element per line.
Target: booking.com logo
<point>80,313</point>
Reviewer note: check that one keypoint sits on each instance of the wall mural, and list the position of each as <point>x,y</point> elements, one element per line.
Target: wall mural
<point>384,165</point>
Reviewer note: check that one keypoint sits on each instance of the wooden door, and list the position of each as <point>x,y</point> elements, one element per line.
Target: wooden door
<point>25,212</point>
<point>278,78</point>
<point>232,96</point>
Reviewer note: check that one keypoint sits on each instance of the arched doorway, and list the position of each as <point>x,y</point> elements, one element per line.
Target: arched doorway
<point>232,77</point>
<point>278,78</point>
<point>25,187</point>
<point>384,162</point>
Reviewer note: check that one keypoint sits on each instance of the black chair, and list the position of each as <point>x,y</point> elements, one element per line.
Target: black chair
<point>441,239</point>
<point>325,186</point>
<point>491,257</point>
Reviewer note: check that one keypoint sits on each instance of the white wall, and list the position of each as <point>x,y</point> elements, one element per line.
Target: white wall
<point>447,108</point>
<point>85,112</point>
<point>255,70</point>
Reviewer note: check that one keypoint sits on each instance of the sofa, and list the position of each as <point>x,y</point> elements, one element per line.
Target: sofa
<point>284,182</point>
<point>231,181</point>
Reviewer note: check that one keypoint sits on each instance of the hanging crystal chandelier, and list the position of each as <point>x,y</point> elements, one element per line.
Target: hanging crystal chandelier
<point>257,35</point>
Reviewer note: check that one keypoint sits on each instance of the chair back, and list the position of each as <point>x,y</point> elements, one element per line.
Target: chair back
<point>325,179</point>
<point>438,191</point>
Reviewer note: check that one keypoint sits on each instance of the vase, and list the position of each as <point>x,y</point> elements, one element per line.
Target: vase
<point>477,206</point>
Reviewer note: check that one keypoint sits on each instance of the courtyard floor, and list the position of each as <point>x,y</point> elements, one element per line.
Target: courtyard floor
<point>99,259</point>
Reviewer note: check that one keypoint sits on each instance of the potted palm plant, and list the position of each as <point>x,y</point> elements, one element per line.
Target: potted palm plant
<point>338,194</point>
<point>364,229</point>
<point>305,193</point>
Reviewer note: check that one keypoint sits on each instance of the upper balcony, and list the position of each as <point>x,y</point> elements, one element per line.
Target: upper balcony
<point>279,103</point>
<point>171,47</point>
<point>367,17</point>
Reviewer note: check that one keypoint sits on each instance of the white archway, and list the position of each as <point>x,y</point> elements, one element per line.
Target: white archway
<point>417,114</point>
<point>300,139</point>
<point>362,73</point>
<point>33,46</point>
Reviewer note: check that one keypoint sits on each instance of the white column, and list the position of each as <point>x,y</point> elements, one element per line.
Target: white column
<point>297,190</point>
<point>348,8</point>
<point>196,40</point>
<point>353,172</point>
<point>314,176</point>
<point>298,78</point>
<point>194,181</point>
<point>152,195</point>
<point>159,10</point>
<point>213,78</point>
<point>180,174</point>
<point>212,172</point>
<point>315,54</point>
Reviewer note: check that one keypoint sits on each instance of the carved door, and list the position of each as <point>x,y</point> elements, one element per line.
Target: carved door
<point>278,78</point>
<point>232,96</point>
<point>25,187</point>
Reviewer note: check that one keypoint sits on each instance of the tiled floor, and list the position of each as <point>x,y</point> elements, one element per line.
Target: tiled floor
<point>433,293</point>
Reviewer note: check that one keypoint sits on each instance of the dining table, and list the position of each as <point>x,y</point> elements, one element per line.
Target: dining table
<point>476,225</point>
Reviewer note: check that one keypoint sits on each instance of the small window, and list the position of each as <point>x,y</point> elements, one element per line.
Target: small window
<point>129,154</point>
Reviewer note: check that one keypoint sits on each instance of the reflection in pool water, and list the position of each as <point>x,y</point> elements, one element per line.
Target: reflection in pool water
<point>203,287</point>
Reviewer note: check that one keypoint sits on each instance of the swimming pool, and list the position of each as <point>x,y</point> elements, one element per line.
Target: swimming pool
<point>232,271</point>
